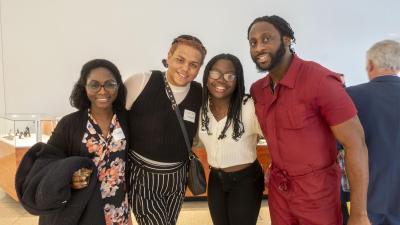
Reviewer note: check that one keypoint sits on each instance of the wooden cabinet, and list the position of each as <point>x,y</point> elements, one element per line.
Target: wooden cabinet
<point>262,156</point>
<point>10,157</point>
<point>17,134</point>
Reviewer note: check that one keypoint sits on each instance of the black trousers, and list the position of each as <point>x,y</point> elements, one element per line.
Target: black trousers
<point>235,198</point>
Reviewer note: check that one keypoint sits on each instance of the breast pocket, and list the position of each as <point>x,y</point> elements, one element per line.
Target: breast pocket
<point>260,107</point>
<point>293,117</point>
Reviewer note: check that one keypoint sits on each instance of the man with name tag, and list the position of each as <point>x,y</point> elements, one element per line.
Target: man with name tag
<point>157,153</point>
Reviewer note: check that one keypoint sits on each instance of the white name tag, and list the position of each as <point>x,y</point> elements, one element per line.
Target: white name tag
<point>118,134</point>
<point>189,116</point>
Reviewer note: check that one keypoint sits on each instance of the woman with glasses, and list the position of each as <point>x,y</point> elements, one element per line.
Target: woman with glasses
<point>97,133</point>
<point>157,154</point>
<point>99,130</point>
<point>229,131</point>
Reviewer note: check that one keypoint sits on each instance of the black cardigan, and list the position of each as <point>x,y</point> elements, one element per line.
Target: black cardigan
<point>44,176</point>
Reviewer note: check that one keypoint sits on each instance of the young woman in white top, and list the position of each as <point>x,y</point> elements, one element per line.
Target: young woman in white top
<point>229,131</point>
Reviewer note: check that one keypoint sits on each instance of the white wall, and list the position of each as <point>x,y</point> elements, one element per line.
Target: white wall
<point>45,42</point>
<point>2,91</point>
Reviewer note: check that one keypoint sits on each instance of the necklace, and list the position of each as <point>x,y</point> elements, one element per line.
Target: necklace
<point>104,122</point>
<point>218,115</point>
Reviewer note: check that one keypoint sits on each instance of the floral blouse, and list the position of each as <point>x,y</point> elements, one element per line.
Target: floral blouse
<point>109,157</point>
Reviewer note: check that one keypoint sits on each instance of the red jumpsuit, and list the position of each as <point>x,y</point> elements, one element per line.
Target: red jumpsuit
<point>295,118</point>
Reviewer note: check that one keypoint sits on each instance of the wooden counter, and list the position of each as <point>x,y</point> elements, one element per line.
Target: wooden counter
<point>11,156</point>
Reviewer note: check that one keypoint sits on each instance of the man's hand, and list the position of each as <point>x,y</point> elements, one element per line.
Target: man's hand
<point>351,135</point>
<point>358,220</point>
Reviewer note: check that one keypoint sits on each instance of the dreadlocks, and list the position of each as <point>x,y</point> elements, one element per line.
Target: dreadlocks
<point>235,106</point>
<point>279,23</point>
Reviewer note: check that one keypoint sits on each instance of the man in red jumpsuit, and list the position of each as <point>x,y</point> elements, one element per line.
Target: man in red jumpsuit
<point>303,108</point>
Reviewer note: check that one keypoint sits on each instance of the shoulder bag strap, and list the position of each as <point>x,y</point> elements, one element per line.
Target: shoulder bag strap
<point>178,115</point>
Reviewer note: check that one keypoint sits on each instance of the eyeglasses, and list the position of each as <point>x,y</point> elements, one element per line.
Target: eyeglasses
<point>213,74</point>
<point>109,85</point>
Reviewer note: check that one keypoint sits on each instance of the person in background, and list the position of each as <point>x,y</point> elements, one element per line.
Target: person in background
<point>303,109</point>
<point>86,184</point>
<point>345,188</point>
<point>229,131</point>
<point>344,182</point>
<point>378,105</point>
<point>158,157</point>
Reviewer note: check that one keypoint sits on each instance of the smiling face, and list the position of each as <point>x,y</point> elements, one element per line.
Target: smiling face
<point>267,46</point>
<point>221,88</point>
<point>183,65</point>
<point>103,98</point>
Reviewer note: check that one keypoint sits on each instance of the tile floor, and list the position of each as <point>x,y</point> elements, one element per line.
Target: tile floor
<point>193,213</point>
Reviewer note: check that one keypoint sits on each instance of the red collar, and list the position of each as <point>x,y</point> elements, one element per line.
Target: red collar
<point>289,79</point>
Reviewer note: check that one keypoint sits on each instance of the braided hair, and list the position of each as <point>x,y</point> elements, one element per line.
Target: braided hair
<point>279,23</point>
<point>234,116</point>
<point>189,40</point>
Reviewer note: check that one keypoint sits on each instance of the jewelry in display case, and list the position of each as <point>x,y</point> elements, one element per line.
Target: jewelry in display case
<point>18,132</point>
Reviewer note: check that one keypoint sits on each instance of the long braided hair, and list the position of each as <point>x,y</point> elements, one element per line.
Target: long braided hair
<point>234,116</point>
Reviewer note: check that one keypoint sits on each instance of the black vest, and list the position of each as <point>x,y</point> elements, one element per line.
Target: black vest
<point>154,128</point>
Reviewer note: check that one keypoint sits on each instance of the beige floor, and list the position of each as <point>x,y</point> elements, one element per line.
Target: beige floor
<point>193,213</point>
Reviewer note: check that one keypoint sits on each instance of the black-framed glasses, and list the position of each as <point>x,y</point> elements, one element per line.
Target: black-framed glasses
<point>109,85</point>
<point>213,74</point>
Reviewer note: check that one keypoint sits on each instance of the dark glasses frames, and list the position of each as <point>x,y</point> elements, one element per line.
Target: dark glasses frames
<point>213,74</point>
<point>109,85</point>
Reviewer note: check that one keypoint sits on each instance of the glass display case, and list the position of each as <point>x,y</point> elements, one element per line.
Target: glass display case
<point>18,132</point>
<point>24,130</point>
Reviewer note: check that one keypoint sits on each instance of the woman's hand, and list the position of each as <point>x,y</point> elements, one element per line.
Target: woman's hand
<point>80,178</point>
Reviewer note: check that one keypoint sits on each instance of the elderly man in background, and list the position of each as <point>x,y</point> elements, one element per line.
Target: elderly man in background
<point>378,104</point>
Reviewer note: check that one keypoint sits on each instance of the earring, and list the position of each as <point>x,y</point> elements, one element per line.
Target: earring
<point>164,62</point>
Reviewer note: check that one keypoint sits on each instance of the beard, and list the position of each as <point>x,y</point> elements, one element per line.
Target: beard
<point>276,58</point>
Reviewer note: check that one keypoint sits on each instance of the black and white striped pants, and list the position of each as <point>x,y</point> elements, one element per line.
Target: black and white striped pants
<point>156,191</point>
